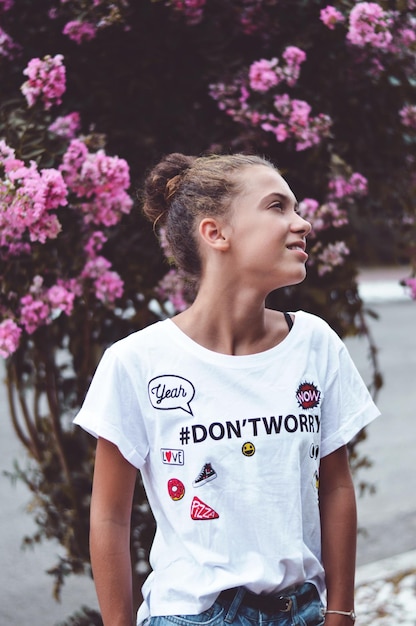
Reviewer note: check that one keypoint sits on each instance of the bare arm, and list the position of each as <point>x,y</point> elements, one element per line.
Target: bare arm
<point>112,494</point>
<point>339,533</point>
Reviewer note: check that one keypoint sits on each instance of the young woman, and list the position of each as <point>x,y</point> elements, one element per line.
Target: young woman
<point>237,417</point>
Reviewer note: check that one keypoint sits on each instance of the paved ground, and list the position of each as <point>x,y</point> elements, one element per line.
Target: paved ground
<point>388,516</point>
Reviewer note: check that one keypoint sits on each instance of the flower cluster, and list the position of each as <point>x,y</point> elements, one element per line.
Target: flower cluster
<point>99,182</point>
<point>172,288</point>
<point>27,197</point>
<point>193,10</point>
<point>330,256</point>
<point>8,48</point>
<point>293,119</point>
<point>331,214</point>
<point>265,74</point>
<point>10,334</point>
<point>41,306</point>
<point>46,81</point>
<point>408,115</point>
<point>330,16</point>
<point>66,126</point>
<point>85,19</point>
<point>279,114</point>
<point>355,185</point>
<point>79,31</point>
<point>322,216</point>
<point>107,284</point>
<point>370,25</point>
<point>6,5</point>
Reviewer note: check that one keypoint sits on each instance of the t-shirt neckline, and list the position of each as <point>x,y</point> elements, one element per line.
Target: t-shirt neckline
<point>197,349</point>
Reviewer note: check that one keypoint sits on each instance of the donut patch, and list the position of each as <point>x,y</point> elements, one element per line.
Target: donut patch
<point>176,489</point>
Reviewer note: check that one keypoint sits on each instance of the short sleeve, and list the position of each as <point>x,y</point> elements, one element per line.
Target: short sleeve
<point>111,410</point>
<point>347,406</point>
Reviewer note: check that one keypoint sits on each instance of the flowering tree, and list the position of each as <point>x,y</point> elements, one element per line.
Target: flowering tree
<point>327,92</point>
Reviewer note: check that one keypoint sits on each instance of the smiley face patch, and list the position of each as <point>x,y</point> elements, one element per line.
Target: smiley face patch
<point>248,448</point>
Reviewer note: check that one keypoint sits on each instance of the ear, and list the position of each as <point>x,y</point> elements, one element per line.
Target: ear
<point>214,234</point>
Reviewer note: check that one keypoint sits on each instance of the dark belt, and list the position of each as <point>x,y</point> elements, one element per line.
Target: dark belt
<point>269,603</point>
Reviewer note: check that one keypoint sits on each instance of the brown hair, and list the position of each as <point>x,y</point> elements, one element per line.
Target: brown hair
<point>180,189</point>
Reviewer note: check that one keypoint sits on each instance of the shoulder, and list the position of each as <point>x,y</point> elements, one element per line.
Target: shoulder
<point>146,336</point>
<point>311,321</point>
<point>316,330</point>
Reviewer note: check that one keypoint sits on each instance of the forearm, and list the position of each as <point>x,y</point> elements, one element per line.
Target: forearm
<point>111,565</point>
<point>339,538</point>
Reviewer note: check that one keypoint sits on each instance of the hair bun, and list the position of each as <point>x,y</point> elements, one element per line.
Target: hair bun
<point>161,185</point>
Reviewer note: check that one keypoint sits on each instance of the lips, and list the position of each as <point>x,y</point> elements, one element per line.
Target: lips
<point>297,245</point>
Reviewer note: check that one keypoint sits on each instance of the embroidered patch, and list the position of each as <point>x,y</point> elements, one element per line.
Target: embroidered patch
<point>314,451</point>
<point>171,456</point>
<point>176,489</point>
<point>169,391</point>
<point>206,474</point>
<point>308,395</point>
<point>201,511</point>
<point>248,448</point>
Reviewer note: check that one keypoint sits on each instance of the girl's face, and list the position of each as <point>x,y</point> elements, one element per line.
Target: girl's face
<point>267,235</point>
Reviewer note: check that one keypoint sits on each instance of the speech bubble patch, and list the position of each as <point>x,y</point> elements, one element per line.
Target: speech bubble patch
<point>171,392</point>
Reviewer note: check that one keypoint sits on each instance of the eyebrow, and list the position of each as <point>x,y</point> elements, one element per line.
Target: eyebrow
<point>283,197</point>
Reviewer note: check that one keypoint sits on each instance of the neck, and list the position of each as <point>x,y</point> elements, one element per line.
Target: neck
<point>231,320</point>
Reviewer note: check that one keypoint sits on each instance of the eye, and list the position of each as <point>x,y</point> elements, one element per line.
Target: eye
<point>277,205</point>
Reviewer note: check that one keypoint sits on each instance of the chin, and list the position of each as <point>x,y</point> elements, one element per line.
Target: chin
<point>296,279</point>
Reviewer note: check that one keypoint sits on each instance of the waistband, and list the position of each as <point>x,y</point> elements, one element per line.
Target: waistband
<point>270,603</point>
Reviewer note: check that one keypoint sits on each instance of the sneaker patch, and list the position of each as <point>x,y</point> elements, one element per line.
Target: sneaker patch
<point>206,474</point>
<point>202,511</point>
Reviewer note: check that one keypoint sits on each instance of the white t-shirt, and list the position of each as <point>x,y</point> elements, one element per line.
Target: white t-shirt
<point>229,450</point>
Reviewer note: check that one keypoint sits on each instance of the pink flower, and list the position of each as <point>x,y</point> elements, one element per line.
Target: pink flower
<point>61,299</point>
<point>411,284</point>
<point>262,75</point>
<point>359,184</point>
<point>46,81</point>
<point>100,181</point>
<point>107,284</point>
<point>172,288</point>
<point>330,16</point>
<point>54,189</point>
<point>95,267</point>
<point>356,185</point>
<point>66,126</point>
<point>109,287</point>
<point>192,9</point>
<point>308,208</point>
<point>9,337</point>
<point>408,115</point>
<point>80,31</point>
<point>26,198</point>
<point>6,5</point>
<point>331,256</point>
<point>369,25</point>
<point>8,48</point>
<point>407,36</point>
<point>95,243</point>
<point>293,57</point>
<point>33,313</point>
<point>322,216</point>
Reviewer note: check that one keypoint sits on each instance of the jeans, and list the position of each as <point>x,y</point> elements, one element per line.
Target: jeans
<point>225,613</point>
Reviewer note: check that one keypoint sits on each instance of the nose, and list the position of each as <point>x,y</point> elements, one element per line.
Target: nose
<point>301,225</point>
